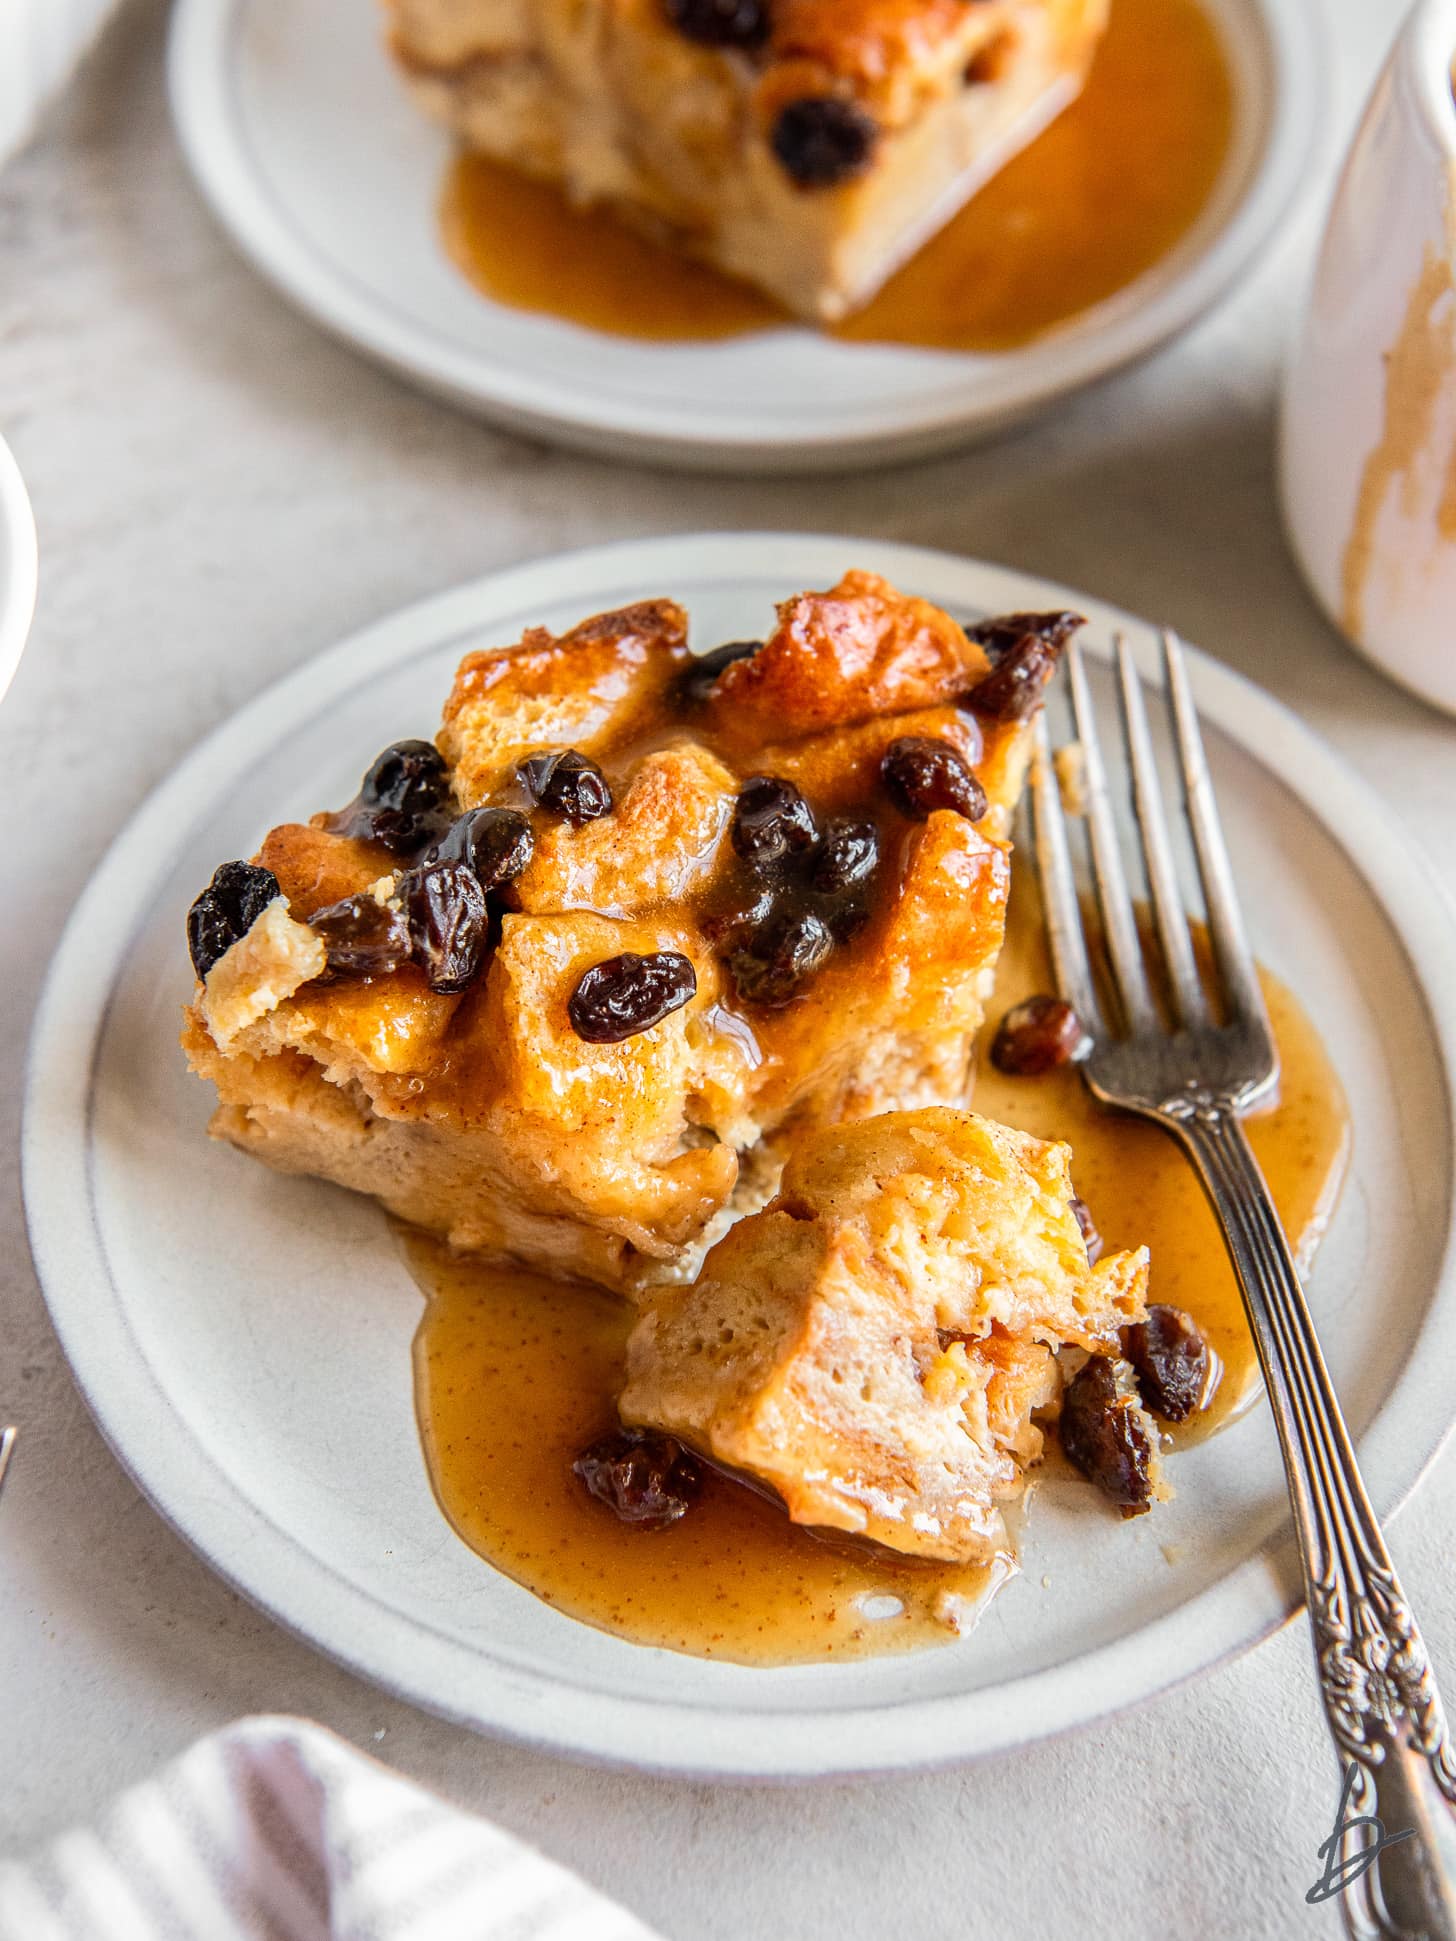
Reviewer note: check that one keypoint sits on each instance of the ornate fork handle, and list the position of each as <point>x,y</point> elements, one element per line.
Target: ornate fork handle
<point>1376,1681</point>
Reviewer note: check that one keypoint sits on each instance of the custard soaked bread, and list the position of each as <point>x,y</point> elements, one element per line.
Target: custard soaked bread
<point>875,1345</point>
<point>560,985</point>
<point>807,146</point>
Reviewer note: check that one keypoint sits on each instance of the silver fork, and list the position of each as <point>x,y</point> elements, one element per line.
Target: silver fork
<point>1197,1079</point>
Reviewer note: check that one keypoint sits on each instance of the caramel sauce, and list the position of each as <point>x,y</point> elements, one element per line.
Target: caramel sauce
<point>1094,202</point>
<point>515,1375</point>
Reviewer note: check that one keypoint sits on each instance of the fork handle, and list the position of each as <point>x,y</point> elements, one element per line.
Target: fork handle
<point>1376,1681</point>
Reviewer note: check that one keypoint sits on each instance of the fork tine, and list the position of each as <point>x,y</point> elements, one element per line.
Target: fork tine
<point>1189,1000</point>
<point>1060,906</point>
<point>1225,918</point>
<point>1124,946</point>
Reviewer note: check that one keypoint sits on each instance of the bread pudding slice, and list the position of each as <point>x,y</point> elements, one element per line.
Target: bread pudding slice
<point>875,1346</point>
<point>806,146</point>
<point>560,985</point>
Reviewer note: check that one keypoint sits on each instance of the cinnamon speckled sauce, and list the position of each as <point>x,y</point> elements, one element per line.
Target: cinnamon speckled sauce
<point>514,1375</point>
<point>1104,194</point>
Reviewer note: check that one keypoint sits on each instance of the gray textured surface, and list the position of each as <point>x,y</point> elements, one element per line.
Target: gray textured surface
<point>220,491</point>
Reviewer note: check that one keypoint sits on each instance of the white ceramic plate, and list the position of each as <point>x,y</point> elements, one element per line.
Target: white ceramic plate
<point>244,1339</point>
<point>306,146</point>
<point>17,566</point>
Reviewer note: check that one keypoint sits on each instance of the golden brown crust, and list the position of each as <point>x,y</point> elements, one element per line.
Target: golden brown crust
<point>881,51</point>
<point>860,651</point>
<point>315,868</point>
<point>588,689</point>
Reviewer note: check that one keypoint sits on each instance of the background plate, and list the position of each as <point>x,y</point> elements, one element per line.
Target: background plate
<point>300,135</point>
<point>244,1339</point>
<point>17,566</point>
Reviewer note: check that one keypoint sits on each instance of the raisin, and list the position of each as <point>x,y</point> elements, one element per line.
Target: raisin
<point>771,821</point>
<point>846,917</point>
<point>720,23</point>
<point>1107,1438</point>
<point>648,1479</point>
<point>1173,1362</point>
<point>363,938</point>
<point>1037,1036</point>
<point>1012,690</point>
<point>922,773</point>
<point>1008,630</point>
<point>627,994</point>
<point>449,923</point>
<point>402,801</point>
<point>496,843</point>
<point>731,922</point>
<point>567,784</point>
<point>1081,1213</point>
<point>848,853</point>
<point>695,685</point>
<point>227,909</point>
<point>989,62</point>
<point>823,140</point>
<point>774,966</point>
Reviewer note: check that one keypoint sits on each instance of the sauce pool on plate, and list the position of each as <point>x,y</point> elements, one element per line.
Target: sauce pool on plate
<point>515,1375</point>
<point>1098,199</point>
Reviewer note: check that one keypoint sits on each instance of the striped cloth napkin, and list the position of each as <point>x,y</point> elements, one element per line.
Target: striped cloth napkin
<point>275,1830</point>
<point>41,42</point>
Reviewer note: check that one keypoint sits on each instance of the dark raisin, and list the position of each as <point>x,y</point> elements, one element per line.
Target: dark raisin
<point>567,784</point>
<point>449,923</point>
<point>785,954</point>
<point>496,843</point>
<point>846,917</point>
<point>922,773</point>
<point>1081,1213</point>
<point>627,994</point>
<point>363,938</point>
<point>1008,630</point>
<point>848,853</point>
<point>647,1479</point>
<point>227,909</point>
<point>989,62</point>
<point>731,921</point>
<point>823,140</point>
<point>1106,1436</point>
<point>402,801</point>
<point>695,684</point>
<point>771,821</point>
<point>1012,690</point>
<point>1173,1362</point>
<point>1037,1036</point>
<point>720,23</point>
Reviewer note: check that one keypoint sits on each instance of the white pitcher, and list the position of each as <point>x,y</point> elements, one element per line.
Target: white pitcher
<point>1368,460</point>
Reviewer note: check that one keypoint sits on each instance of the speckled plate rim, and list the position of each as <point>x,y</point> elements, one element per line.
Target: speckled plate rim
<point>549,1712</point>
<point>1286,89</point>
<point>19,566</point>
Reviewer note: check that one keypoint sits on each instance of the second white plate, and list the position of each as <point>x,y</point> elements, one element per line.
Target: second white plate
<point>244,1339</point>
<point>301,137</point>
<point>18,566</point>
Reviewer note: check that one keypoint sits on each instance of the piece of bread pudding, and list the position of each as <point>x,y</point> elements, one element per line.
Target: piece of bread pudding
<point>563,984</point>
<point>806,146</point>
<point>874,1347</point>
